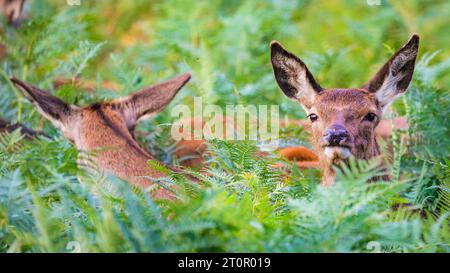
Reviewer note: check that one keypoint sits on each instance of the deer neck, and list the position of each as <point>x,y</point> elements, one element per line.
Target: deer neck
<point>110,148</point>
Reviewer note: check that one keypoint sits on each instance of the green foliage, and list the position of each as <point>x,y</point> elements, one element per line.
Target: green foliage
<point>243,203</point>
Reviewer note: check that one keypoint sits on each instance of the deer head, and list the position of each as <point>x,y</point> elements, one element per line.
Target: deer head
<point>343,120</point>
<point>105,129</point>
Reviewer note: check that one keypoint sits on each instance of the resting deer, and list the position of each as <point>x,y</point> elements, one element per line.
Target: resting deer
<point>343,120</point>
<point>105,130</point>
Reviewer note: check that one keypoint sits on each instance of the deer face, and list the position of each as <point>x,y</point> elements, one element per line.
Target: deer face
<point>343,121</point>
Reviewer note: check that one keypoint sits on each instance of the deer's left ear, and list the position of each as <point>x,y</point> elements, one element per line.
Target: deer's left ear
<point>394,77</point>
<point>151,100</point>
<point>293,76</point>
<point>58,112</point>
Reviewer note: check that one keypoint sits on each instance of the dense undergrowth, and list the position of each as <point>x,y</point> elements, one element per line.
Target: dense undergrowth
<point>245,204</point>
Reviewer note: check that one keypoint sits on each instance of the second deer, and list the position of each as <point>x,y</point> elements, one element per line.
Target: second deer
<point>343,120</point>
<point>105,130</point>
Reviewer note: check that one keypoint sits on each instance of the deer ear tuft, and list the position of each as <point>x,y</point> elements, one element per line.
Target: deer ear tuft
<point>395,75</point>
<point>293,76</point>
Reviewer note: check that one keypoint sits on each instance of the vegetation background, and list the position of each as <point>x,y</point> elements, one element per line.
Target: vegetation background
<point>245,205</point>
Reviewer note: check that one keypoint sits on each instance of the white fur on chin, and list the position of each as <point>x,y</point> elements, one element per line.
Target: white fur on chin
<point>337,152</point>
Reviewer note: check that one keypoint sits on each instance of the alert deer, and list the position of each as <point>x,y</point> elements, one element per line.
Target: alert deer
<point>343,120</point>
<point>105,130</point>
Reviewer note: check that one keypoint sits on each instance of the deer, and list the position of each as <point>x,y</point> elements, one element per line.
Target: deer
<point>105,130</point>
<point>343,120</point>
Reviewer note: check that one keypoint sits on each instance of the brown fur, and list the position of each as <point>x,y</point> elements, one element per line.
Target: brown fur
<point>191,153</point>
<point>350,113</point>
<point>104,131</point>
<point>346,107</point>
<point>299,153</point>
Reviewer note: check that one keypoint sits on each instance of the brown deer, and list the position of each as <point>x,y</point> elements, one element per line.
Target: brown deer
<point>105,130</point>
<point>343,120</point>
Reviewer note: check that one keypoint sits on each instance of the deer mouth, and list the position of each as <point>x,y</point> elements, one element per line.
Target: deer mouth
<point>337,152</point>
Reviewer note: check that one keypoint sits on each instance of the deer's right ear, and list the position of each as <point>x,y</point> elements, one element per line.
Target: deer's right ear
<point>293,76</point>
<point>150,100</point>
<point>55,110</point>
<point>394,77</point>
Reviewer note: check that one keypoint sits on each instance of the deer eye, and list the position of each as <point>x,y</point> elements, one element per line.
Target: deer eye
<point>313,117</point>
<point>370,117</point>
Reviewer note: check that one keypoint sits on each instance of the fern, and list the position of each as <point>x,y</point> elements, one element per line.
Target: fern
<point>77,61</point>
<point>241,203</point>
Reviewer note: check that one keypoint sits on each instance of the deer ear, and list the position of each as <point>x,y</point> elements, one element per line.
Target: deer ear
<point>55,110</point>
<point>293,76</point>
<point>150,100</point>
<point>395,75</point>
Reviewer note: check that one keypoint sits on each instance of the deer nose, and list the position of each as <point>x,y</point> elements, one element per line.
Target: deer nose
<point>335,135</point>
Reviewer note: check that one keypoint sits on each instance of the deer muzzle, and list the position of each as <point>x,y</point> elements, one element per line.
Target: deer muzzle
<point>337,143</point>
